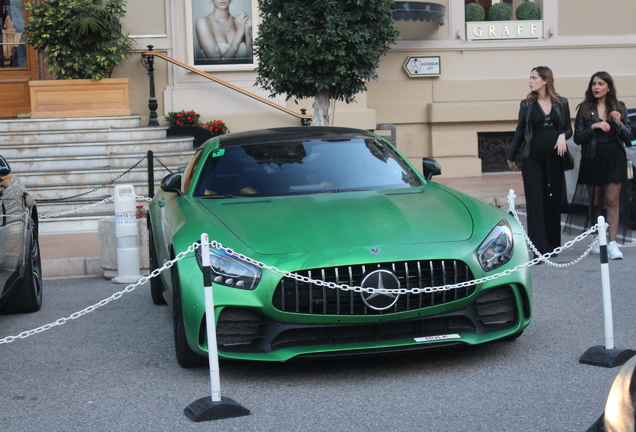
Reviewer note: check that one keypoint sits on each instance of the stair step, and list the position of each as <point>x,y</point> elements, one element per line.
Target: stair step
<point>69,123</point>
<point>82,135</point>
<point>95,161</point>
<point>73,164</point>
<point>96,148</point>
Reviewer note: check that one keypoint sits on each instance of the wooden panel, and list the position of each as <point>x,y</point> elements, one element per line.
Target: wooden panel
<point>79,98</point>
<point>14,96</point>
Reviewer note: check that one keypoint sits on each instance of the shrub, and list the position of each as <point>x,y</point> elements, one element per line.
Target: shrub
<point>78,38</point>
<point>528,11</point>
<point>499,12</point>
<point>474,12</point>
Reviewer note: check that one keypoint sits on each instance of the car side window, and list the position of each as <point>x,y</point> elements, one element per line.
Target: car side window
<point>190,169</point>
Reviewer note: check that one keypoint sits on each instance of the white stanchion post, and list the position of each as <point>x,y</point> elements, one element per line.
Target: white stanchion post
<point>608,355</point>
<point>210,321</point>
<point>214,407</point>
<point>126,233</point>
<point>605,284</point>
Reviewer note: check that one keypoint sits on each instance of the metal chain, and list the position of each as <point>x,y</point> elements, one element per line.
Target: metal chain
<point>343,287</point>
<point>97,188</point>
<point>77,210</point>
<point>163,165</point>
<point>89,309</point>
<point>544,258</point>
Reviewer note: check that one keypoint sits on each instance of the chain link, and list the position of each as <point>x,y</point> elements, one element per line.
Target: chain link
<point>77,210</point>
<point>331,285</point>
<point>97,188</point>
<point>544,258</point>
<point>117,295</point>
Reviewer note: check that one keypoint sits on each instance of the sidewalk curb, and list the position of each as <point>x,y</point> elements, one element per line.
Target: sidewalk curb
<point>70,267</point>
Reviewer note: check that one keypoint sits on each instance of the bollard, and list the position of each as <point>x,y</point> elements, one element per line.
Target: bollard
<point>126,232</point>
<point>599,355</point>
<point>213,407</point>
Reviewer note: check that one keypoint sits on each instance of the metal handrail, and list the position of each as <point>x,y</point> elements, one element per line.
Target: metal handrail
<point>148,62</point>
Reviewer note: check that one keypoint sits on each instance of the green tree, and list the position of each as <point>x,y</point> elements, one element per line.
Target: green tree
<point>326,49</point>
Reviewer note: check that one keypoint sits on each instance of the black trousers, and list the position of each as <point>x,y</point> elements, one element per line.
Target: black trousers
<point>543,187</point>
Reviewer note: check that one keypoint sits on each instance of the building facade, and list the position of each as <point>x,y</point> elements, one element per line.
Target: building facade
<point>451,88</point>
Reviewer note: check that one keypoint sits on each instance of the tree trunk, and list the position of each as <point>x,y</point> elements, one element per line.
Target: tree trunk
<point>321,108</point>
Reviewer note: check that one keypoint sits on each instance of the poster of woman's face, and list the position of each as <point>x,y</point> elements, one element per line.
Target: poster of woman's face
<point>222,32</point>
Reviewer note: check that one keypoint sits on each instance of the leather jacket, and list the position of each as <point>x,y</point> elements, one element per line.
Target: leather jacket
<point>523,135</point>
<point>585,137</point>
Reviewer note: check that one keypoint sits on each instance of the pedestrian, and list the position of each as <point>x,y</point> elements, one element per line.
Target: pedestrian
<point>602,130</point>
<point>544,126</point>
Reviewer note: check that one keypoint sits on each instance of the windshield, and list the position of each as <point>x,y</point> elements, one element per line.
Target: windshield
<point>313,166</point>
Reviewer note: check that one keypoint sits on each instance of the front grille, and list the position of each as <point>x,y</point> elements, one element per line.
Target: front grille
<point>300,297</point>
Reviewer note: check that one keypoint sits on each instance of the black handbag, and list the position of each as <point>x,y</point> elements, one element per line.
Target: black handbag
<point>567,162</point>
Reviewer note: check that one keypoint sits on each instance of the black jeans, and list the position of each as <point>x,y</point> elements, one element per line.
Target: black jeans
<point>543,187</point>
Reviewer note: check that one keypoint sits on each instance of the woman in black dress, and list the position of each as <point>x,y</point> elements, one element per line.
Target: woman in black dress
<point>543,128</point>
<point>602,129</point>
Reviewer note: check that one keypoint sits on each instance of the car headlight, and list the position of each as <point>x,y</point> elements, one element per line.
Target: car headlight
<point>230,271</point>
<point>496,250</point>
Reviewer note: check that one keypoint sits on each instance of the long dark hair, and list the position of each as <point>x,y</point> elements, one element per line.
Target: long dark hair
<point>590,102</point>
<point>546,74</point>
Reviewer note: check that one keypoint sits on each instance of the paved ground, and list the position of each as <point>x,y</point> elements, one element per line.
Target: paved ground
<point>77,254</point>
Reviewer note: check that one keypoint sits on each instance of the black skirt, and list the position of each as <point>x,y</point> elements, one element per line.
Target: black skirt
<point>608,166</point>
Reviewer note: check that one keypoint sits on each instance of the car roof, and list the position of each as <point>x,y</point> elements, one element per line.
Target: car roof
<point>286,134</point>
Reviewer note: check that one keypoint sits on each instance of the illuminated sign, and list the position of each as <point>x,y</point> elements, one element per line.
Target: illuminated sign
<point>501,30</point>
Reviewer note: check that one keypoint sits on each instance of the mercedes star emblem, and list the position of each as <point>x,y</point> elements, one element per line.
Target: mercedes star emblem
<point>381,279</point>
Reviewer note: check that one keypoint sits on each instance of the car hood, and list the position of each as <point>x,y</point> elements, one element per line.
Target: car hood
<point>296,224</point>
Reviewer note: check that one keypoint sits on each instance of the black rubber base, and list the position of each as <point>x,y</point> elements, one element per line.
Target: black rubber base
<point>205,409</point>
<point>600,356</point>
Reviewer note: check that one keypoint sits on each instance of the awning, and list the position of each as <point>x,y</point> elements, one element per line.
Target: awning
<point>418,11</point>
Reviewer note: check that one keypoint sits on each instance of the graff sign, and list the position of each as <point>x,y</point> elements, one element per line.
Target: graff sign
<point>497,30</point>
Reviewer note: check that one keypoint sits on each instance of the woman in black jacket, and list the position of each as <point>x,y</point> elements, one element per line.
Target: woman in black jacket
<point>543,128</point>
<point>602,129</point>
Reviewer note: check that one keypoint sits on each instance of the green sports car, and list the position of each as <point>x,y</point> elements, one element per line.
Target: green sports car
<point>333,206</point>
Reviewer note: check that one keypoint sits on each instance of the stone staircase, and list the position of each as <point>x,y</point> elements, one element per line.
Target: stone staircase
<point>84,158</point>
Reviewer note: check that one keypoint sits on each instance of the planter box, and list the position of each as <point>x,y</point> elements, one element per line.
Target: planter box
<point>200,134</point>
<point>108,246</point>
<point>79,98</point>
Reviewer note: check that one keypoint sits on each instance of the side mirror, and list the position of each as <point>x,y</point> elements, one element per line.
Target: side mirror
<point>5,169</point>
<point>430,168</point>
<point>172,183</point>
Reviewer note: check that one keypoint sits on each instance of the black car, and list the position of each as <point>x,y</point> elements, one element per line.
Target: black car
<point>20,267</point>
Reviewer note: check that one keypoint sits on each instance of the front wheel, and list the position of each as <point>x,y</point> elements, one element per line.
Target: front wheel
<point>186,357</point>
<point>28,295</point>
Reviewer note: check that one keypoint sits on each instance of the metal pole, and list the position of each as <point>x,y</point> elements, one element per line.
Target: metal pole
<point>215,378</point>
<point>151,174</point>
<point>148,61</point>
<point>605,281</point>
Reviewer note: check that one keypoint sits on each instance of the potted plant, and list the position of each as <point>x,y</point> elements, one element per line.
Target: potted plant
<point>81,41</point>
<point>499,12</point>
<point>474,12</point>
<point>528,11</point>
<point>186,123</point>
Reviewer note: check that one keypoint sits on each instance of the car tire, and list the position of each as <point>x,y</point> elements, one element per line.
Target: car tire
<point>28,295</point>
<point>156,285</point>
<point>186,357</point>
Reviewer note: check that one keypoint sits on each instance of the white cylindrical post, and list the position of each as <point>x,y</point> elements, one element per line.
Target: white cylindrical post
<point>214,407</point>
<point>210,321</point>
<point>126,233</point>
<point>605,281</point>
